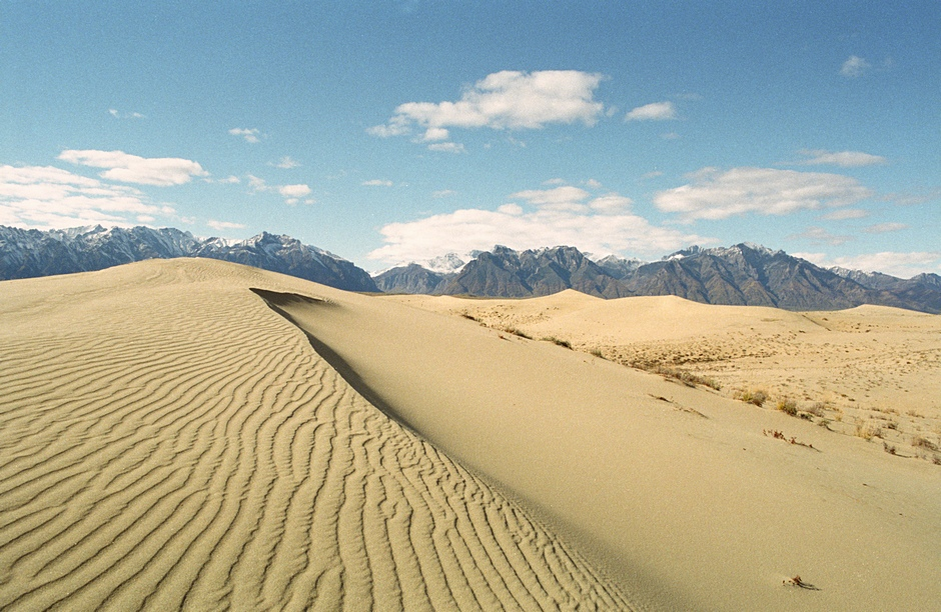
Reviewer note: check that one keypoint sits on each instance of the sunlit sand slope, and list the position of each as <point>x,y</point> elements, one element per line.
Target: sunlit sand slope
<point>168,441</point>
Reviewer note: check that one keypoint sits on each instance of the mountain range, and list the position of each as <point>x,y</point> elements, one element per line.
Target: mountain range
<point>31,253</point>
<point>743,274</point>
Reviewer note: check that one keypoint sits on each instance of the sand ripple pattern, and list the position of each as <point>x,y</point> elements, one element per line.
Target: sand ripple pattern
<point>181,446</point>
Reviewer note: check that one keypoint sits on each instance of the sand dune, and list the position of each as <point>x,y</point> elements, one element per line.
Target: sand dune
<point>167,441</point>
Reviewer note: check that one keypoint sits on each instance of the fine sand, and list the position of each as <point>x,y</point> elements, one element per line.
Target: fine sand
<point>203,435</point>
<point>168,441</point>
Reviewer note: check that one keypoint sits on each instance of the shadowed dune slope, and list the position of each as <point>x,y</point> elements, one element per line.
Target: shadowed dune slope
<point>167,441</point>
<point>680,493</point>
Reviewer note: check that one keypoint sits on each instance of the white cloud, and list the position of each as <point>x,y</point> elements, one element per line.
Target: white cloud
<point>435,133</point>
<point>51,198</point>
<point>657,111</point>
<point>902,265</point>
<point>249,134</point>
<point>611,202</point>
<point>443,193</point>
<point>502,100</point>
<point>231,179</point>
<point>560,198</point>
<point>561,216</point>
<point>224,225</point>
<point>121,166</point>
<point>854,66</point>
<point>377,183</point>
<point>844,159</point>
<point>884,228</point>
<point>286,163</point>
<point>766,191</point>
<point>257,183</point>
<point>294,191</point>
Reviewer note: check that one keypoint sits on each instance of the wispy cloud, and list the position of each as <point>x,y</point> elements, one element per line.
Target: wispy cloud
<point>447,147</point>
<point>767,191</point>
<point>502,100</point>
<point>885,228</point>
<point>854,66</point>
<point>377,183</point>
<point>224,225</point>
<point>657,111</point>
<point>443,193</point>
<point>844,159</point>
<point>563,215</point>
<point>819,235</point>
<point>127,168</point>
<point>844,214</point>
<point>48,197</point>
<point>251,135</point>
<point>119,115</point>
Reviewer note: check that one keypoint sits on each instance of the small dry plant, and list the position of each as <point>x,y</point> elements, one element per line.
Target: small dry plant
<point>787,406</point>
<point>868,430</point>
<point>757,398</point>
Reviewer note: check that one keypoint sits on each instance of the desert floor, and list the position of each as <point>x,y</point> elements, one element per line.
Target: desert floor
<point>201,435</point>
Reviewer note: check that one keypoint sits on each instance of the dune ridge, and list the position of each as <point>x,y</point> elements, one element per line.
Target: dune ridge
<point>169,442</point>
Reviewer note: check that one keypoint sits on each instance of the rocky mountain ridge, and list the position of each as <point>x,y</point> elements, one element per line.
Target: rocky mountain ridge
<point>744,274</point>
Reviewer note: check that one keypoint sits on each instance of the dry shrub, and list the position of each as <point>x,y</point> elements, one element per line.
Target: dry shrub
<point>757,398</point>
<point>787,406</point>
<point>868,430</point>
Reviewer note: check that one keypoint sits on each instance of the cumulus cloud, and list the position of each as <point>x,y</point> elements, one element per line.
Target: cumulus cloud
<point>51,198</point>
<point>563,215</point>
<point>718,195</point>
<point>657,111</point>
<point>900,264</point>
<point>503,100</point>
<point>121,166</point>
<point>249,134</point>
<point>844,159</point>
<point>294,191</point>
<point>377,183</point>
<point>854,66</point>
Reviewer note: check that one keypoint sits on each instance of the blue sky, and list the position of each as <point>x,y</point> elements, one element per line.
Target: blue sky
<point>398,130</point>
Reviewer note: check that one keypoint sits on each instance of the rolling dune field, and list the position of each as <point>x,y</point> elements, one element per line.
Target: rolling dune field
<point>194,434</point>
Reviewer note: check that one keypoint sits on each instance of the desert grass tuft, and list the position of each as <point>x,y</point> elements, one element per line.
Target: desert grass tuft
<point>558,341</point>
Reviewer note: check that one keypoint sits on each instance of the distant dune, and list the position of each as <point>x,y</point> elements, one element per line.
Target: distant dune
<point>201,435</point>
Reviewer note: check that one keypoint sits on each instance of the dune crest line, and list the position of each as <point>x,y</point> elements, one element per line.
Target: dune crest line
<point>167,442</point>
